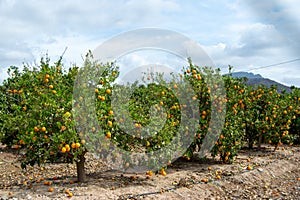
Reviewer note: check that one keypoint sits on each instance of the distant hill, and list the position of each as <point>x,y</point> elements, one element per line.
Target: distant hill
<point>257,79</point>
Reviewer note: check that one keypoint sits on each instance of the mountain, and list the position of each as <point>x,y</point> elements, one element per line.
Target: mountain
<point>257,79</point>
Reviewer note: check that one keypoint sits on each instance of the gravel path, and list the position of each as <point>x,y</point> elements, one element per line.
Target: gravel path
<point>274,175</point>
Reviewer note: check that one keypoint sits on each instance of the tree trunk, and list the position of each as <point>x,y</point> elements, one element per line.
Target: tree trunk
<point>80,168</point>
<point>259,141</point>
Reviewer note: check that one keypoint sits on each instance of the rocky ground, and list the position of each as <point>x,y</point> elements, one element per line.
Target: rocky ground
<point>275,175</point>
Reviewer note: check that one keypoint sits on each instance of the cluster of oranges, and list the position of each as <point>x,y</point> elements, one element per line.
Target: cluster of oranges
<point>67,147</point>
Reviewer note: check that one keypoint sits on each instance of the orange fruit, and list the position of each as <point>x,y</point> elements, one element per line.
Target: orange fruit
<point>36,129</point>
<point>149,173</point>
<point>70,194</point>
<point>73,145</point>
<point>108,134</point>
<point>82,141</point>
<point>63,150</point>
<point>51,86</point>
<point>108,91</point>
<point>96,90</point>
<point>43,129</point>
<point>46,80</point>
<point>51,189</point>
<point>67,191</point>
<point>204,180</point>
<point>127,164</point>
<point>47,76</point>
<point>67,147</point>
<point>249,167</point>
<point>54,92</point>
<point>77,144</point>
<point>109,123</point>
<point>209,168</point>
<point>63,128</point>
<point>163,172</point>
<point>147,144</point>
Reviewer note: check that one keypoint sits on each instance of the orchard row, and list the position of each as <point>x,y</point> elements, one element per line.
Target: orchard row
<point>194,110</point>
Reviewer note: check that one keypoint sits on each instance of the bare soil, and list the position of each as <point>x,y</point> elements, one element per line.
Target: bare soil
<point>275,175</point>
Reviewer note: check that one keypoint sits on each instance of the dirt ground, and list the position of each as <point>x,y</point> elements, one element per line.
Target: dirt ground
<point>275,175</point>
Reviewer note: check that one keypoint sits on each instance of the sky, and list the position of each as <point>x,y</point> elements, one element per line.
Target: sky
<point>246,34</point>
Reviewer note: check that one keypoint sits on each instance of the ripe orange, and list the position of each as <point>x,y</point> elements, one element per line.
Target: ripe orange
<point>51,86</point>
<point>67,147</point>
<point>73,145</point>
<point>96,90</point>
<point>218,177</point>
<point>82,141</point>
<point>209,168</point>
<point>149,173</point>
<point>51,189</point>
<point>77,144</point>
<point>24,108</point>
<point>109,123</point>
<point>147,144</point>
<point>175,86</point>
<point>163,93</point>
<point>54,92</point>
<point>47,76</point>
<point>67,191</point>
<point>63,128</point>
<point>108,91</point>
<point>46,80</point>
<point>70,194</point>
<point>63,150</point>
<point>36,129</point>
<point>43,129</point>
<point>204,180</point>
<point>111,112</point>
<point>249,167</point>
<point>163,172</point>
<point>108,135</point>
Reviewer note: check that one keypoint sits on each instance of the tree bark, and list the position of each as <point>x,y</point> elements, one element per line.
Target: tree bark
<point>80,168</point>
<point>259,141</point>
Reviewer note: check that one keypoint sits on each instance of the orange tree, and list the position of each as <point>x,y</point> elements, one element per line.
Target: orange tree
<point>38,120</point>
<point>140,117</point>
<point>230,141</point>
<point>295,125</point>
<point>269,116</point>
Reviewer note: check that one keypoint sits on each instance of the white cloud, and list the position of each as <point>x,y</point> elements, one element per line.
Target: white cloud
<point>245,34</point>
